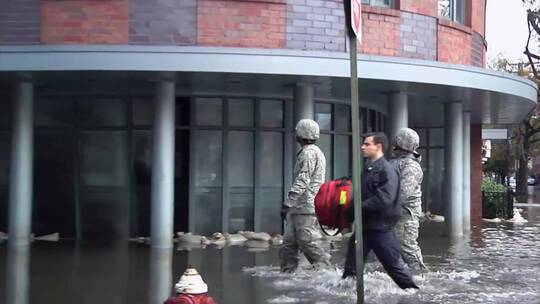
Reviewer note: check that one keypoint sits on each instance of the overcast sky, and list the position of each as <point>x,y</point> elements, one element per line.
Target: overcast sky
<point>506,29</point>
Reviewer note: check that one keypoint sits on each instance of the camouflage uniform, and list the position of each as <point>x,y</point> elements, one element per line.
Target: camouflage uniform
<point>302,227</point>
<point>407,161</point>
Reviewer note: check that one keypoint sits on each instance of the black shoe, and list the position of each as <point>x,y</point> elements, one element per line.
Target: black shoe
<point>348,273</point>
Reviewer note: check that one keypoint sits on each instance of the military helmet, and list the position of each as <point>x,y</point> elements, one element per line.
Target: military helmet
<point>407,139</point>
<point>307,129</point>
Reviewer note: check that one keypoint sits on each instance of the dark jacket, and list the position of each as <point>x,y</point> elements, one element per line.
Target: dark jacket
<point>381,209</point>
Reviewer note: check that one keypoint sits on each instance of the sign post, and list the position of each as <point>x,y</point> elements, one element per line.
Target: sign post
<point>353,13</point>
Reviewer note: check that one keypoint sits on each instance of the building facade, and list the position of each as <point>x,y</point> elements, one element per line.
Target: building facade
<point>143,117</point>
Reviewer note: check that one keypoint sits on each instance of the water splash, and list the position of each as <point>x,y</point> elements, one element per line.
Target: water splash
<point>284,299</point>
<point>517,218</point>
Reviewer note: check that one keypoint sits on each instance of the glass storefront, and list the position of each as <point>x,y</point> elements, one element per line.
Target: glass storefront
<point>432,151</point>
<point>93,163</point>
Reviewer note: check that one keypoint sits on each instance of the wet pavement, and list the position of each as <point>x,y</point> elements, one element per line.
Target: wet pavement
<point>496,263</point>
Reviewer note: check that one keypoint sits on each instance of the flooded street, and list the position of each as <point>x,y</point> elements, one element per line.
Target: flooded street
<point>497,263</point>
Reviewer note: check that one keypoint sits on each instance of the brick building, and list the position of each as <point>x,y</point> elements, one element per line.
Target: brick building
<point>143,117</point>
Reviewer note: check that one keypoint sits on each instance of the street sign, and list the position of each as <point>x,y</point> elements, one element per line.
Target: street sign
<point>356,18</point>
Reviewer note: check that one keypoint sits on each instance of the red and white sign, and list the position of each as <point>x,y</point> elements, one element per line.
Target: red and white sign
<point>356,18</point>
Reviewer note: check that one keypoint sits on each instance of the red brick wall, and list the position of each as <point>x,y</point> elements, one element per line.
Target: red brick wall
<point>241,23</point>
<point>84,22</point>
<point>477,16</point>
<point>424,7</point>
<point>476,173</point>
<point>454,43</point>
<point>380,31</point>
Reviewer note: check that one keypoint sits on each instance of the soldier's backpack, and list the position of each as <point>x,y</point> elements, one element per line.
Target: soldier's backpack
<point>331,202</point>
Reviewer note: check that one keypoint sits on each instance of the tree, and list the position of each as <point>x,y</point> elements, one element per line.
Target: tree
<point>499,161</point>
<point>524,137</point>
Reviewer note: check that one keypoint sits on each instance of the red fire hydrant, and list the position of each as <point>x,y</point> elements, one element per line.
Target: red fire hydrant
<point>190,289</point>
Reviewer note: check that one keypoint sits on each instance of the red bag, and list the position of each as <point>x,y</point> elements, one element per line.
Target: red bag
<point>332,200</point>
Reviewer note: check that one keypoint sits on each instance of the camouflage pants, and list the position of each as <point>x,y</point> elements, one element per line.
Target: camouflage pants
<point>407,233</point>
<point>302,232</point>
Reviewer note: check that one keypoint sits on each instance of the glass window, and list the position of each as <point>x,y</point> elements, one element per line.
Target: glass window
<point>207,205</point>
<point>385,3</point>
<point>240,159</point>
<point>445,8</point>
<point>364,119</point>
<point>5,155</point>
<point>452,9</point>
<point>435,176</point>
<point>271,181</point>
<point>5,114</point>
<point>343,156</point>
<point>53,180</point>
<point>323,116</point>
<point>241,112</point>
<point>424,164</point>
<point>209,112</point>
<point>102,112</point>
<point>208,158</point>
<point>103,155</point>
<point>372,121</point>
<point>342,118</point>
<point>103,187</point>
<point>240,171</point>
<point>142,174</point>
<point>143,111</point>
<point>272,159</point>
<point>271,113</point>
<point>325,143</point>
<point>182,110</point>
<point>422,133</point>
<point>436,137</point>
<point>49,112</point>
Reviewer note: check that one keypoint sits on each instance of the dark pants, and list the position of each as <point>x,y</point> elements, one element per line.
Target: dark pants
<point>385,245</point>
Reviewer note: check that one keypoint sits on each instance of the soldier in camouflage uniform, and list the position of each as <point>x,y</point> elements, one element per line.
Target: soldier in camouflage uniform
<point>302,227</point>
<point>407,162</point>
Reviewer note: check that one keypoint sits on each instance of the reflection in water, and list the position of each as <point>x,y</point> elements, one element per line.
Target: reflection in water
<point>498,263</point>
<point>160,282</point>
<point>17,275</point>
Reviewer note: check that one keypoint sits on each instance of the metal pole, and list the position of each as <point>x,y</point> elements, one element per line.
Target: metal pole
<point>357,168</point>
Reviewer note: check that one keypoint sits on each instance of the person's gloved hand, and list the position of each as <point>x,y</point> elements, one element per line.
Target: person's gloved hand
<point>349,214</point>
<point>283,212</point>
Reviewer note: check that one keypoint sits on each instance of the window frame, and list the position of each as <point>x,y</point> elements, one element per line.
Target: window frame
<point>455,16</point>
<point>391,3</point>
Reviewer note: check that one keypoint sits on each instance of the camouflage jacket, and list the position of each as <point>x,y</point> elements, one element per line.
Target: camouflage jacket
<point>309,174</point>
<point>410,184</point>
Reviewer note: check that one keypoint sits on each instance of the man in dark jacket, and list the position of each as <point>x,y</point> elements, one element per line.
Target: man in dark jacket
<point>381,211</point>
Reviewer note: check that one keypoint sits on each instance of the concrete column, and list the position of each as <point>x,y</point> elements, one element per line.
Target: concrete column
<point>398,110</point>
<point>453,154</point>
<point>161,279</point>
<point>17,275</point>
<point>162,213</point>
<point>304,106</point>
<point>466,171</point>
<point>21,168</point>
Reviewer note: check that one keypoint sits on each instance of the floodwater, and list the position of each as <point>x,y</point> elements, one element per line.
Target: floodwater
<point>496,263</point>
